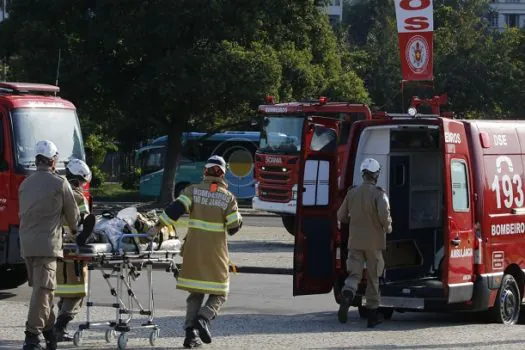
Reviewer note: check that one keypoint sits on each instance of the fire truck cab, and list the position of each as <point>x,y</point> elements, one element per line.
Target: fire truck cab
<point>29,113</point>
<point>456,190</point>
<point>276,160</point>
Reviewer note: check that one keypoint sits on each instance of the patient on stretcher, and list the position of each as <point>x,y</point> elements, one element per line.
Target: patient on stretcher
<point>107,232</point>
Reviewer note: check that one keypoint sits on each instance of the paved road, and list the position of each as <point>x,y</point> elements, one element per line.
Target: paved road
<point>261,313</point>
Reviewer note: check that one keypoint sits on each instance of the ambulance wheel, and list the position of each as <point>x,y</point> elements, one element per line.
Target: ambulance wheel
<point>506,310</point>
<point>363,311</point>
<point>387,312</point>
<point>153,336</point>
<point>122,341</point>
<point>77,338</point>
<point>110,335</point>
<point>289,223</point>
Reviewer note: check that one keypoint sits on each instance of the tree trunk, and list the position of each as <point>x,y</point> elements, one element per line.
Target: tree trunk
<point>170,163</point>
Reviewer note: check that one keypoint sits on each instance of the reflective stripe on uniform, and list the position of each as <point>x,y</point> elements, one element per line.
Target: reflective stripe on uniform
<point>185,200</point>
<point>206,225</point>
<point>166,220</point>
<point>83,209</point>
<point>203,285</point>
<point>233,217</point>
<point>71,288</point>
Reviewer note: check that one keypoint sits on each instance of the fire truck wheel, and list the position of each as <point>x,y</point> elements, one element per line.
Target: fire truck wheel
<point>289,223</point>
<point>387,312</point>
<point>506,310</point>
<point>13,277</point>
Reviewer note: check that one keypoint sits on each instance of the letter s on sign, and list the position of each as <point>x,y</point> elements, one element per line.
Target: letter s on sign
<point>420,4</point>
<point>417,23</point>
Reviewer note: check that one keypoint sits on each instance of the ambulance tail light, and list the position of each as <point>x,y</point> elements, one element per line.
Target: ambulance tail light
<point>484,139</point>
<point>478,255</point>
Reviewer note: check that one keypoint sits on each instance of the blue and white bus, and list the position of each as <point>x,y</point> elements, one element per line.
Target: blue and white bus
<point>237,147</point>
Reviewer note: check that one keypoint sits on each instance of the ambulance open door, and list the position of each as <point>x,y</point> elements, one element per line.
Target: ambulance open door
<point>316,221</point>
<point>459,236</point>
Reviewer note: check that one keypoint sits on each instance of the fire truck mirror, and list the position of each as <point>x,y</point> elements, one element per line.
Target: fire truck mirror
<point>266,122</point>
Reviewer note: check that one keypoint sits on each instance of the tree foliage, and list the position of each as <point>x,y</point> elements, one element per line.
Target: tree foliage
<point>143,67</point>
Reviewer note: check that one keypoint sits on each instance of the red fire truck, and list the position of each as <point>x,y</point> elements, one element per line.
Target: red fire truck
<point>28,113</point>
<point>456,190</point>
<point>277,158</point>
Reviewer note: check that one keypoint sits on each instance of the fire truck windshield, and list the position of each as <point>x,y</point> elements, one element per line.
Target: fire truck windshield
<point>281,134</point>
<point>60,126</point>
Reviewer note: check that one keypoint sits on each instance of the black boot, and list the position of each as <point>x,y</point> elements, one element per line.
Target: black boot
<point>87,229</point>
<point>202,326</point>
<point>32,342</point>
<point>51,339</point>
<point>61,332</point>
<point>374,318</point>
<point>344,305</point>
<point>191,340</point>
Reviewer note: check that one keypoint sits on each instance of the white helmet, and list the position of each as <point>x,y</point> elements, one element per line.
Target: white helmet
<point>216,161</point>
<point>46,149</point>
<point>370,165</point>
<point>79,168</point>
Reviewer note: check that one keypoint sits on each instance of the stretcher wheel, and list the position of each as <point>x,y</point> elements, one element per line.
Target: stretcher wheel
<point>110,334</point>
<point>77,338</point>
<point>122,341</point>
<point>153,336</point>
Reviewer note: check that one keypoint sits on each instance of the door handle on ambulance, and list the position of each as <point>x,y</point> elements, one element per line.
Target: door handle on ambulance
<point>455,242</point>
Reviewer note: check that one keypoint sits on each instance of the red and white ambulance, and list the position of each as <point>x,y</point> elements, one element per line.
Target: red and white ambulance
<point>29,113</point>
<point>457,199</point>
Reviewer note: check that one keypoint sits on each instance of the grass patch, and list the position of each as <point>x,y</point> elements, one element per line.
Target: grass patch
<point>115,193</point>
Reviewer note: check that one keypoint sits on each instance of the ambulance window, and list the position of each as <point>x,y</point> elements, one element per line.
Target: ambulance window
<point>459,180</point>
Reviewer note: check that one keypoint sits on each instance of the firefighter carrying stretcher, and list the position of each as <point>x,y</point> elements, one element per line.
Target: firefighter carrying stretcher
<point>72,275</point>
<point>213,211</point>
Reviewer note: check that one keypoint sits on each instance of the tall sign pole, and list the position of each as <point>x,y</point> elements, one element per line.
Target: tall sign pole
<point>4,16</point>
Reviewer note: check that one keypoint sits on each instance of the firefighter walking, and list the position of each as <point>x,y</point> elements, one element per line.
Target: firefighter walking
<point>205,266</point>
<point>44,198</point>
<point>367,209</point>
<point>72,275</point>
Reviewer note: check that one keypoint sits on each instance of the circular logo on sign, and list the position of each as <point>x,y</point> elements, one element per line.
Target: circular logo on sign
<point>417,54</point>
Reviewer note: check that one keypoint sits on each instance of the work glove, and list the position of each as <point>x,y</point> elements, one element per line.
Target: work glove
<point>154,231</point>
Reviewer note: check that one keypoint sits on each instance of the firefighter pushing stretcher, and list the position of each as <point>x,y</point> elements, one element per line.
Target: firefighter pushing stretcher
<point>213,211</point>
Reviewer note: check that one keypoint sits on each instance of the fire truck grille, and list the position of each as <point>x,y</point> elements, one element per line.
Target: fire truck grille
<point>275,176</point>
<point>275,195</point>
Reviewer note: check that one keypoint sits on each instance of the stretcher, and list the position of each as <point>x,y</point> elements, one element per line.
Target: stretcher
<point>123,263</point>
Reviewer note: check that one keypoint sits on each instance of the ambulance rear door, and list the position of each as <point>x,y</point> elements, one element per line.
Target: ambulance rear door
<point>316,221</point>
<point>459,236</point>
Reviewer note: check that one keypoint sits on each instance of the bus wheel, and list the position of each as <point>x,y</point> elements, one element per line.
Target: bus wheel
<point>179,188</point>
<point>506,310</point>
<point>13,277</point>
<point>289,223</point>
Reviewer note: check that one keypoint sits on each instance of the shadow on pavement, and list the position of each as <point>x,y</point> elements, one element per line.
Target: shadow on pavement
<point>433,346</point>
<point>6,295</point>
<point>260,247</point>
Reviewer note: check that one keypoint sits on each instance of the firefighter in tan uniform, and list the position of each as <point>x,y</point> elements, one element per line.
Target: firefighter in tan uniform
<point>213,212</point>
<point>44,198</point>
<point>367,209</point>
<point>72,275</point>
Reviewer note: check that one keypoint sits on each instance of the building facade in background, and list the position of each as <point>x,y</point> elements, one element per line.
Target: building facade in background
<point>335,11</point>
<point>508,13</point>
